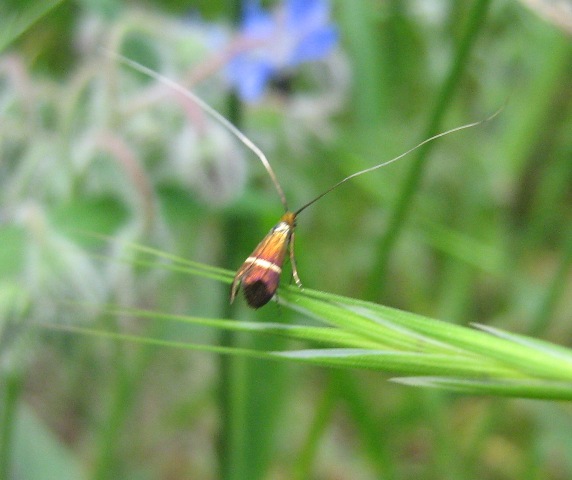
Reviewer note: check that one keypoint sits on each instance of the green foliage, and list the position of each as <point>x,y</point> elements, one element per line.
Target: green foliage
<point>358,334</point>
<point>109,181</point>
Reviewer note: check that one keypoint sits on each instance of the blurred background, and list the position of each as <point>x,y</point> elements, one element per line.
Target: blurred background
<point>96,157</point>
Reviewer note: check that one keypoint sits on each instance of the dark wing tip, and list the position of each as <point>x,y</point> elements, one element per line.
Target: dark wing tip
<point>258,293</point>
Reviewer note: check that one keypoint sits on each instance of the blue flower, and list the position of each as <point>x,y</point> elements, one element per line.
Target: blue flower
<point>274,44</point>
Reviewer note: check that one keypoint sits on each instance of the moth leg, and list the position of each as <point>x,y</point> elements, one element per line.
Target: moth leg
<point>293,262</point>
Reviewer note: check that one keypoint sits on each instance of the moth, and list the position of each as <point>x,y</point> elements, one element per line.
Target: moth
<point>259,275</point>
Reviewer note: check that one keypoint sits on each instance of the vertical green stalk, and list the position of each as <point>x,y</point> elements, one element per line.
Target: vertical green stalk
<point>227,400</point>
<point>228,368</point>
<point>128,379</point>
<point>534,128</point>
<point>12,385</point>
<point>458,280</point>
<point>324,408</point>
<point>376,443</point>
<point>106,463</point>
<point>554,290</point>
<point>251,392</point>
<point>446,460</point>
<point>378,275</point>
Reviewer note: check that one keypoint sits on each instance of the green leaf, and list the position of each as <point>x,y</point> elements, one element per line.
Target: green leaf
<point>359,334</point>
<point>504,388</point>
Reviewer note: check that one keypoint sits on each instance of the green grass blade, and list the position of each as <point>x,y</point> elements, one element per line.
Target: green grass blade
<point>397,362</point>
<point>503,388</point>
<point>359,334</point>
<point>476,21</point>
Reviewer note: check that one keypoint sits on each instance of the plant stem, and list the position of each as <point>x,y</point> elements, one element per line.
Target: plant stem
<point>378,275</point>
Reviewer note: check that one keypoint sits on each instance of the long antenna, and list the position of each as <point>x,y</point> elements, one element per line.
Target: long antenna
<point>375,167</point>
<point>207,108</point>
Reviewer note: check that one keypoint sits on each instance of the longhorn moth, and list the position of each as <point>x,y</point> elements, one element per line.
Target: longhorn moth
<point>260,273</point>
